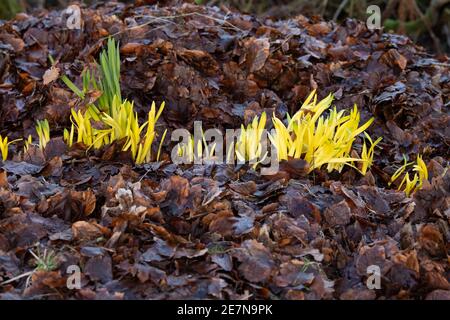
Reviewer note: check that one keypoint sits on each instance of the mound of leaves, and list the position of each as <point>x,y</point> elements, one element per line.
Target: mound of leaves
<point>163,231</point>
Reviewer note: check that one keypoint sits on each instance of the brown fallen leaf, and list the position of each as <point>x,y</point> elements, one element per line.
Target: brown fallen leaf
<point>83,230</point>
<point>53,168</point>
<point>258,52</point>
<point>99,268</point>
<point>338,214</point>
<point>3,179</point>
<point>432,241</point>
<point>50,75</point>
<point>256,261</point>
<point>393,58</point>
<point>83,202</point>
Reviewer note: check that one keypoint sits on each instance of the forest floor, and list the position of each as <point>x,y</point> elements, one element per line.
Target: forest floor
<point>162,231</point>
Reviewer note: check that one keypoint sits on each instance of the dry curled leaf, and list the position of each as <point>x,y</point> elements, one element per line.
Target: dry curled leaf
<point>50,75</point>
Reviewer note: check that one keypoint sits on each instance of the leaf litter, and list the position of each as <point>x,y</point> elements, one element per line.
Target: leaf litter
<point>161,231</point>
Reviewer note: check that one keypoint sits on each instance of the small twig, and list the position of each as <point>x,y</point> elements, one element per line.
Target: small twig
<point>26,274</point>
<point>339,9</point>
<point>145,174</point>
<point>282,43</point>
<point>167,19</point>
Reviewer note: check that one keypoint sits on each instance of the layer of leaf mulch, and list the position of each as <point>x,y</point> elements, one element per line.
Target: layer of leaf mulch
<point>165,232</point>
